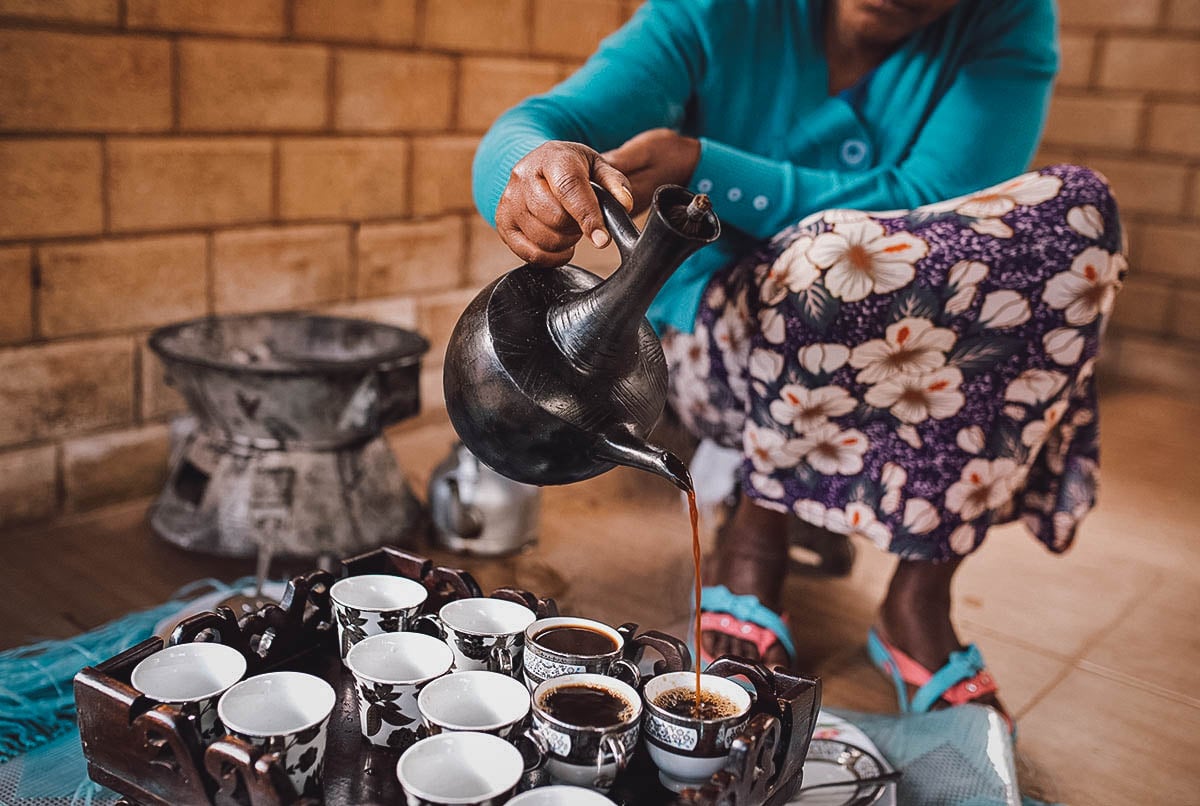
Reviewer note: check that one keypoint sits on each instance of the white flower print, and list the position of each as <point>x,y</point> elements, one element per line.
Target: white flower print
<point>920,516</point>
<point>962,539</point>
<point>832,451</point>
<point>1064,345</point>
<point>769,450</point>
<point>1003,309</point>
<point>963,277</point>
<point>1035,385</point>
<point>860,259</point>
<point>839,215</point>
<point>993,227</point>
<point>804,409</point>
<point>1013,412</point>
<point>810,511</point>
<point>893,478</point>
<point>1088,289</point>
<point>731,333</point>
<point>971,439</point>
<point>910,435</point>
<point>1034,434</point>
<point>1026,190</point>
<point>818,358</point>
<point>768,486</point>
<point>791,271</point>
<point>912,345</point>
<point>858,519</point>
<point>1082,417</point>
<point>916,398</point>
<point>765,365</point>
<point>1086,220</point>
<point>771,321</point>
<point>967,272</point>
<point>983,485</point>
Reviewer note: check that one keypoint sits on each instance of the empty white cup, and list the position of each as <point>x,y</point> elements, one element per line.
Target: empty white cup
<point>370,604</point>
<point>560,795</point>
<point>192,676</point>
<point>389,670</point>
<point>459,768</point>
<point>284,712</point>
<point>486,702</point>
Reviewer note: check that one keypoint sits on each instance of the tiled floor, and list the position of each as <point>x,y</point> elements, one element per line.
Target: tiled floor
<point>1096,652</point>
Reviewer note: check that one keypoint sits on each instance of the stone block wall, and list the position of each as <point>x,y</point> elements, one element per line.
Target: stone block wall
<point>163,159</point>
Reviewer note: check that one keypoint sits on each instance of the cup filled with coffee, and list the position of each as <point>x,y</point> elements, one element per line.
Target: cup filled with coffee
<point>370,604</point>
<point>564,645</point>
<point>191,677</point>
<point>586,727</point>
<point>484,634</point>
<point>285,713</point>
<point>689,738</point>
<point>390,670</point>
<point>480,701</point>
<point>466,769</point>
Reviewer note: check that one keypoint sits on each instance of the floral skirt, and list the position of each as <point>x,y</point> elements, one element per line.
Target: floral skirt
<point>915,377</point>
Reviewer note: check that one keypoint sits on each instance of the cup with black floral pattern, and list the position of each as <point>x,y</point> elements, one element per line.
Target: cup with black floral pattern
<point>285,713</point>
<point>192,677</point>
<point>390,670</point>
<point>370,604</point>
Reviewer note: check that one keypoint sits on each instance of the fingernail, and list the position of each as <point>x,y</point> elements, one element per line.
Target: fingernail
<point>600,238</point>
<point>628,197</point>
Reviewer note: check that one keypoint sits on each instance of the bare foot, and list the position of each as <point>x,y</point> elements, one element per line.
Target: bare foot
<point>915,618</point>
<point>750,557</point>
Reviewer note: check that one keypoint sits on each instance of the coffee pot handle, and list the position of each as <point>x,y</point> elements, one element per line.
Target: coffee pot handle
<point>620,226</point>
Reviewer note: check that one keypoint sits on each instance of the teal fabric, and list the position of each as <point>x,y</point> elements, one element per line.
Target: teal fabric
<point>959,756</point>
<point>957,107</point>
<point>719,599</point>
<point>37,698</point>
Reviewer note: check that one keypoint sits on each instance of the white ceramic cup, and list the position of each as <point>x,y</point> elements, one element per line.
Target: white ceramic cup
<point>582,755</point>
<point>485,702</point>
<point>459,768</point>
<point>560,795</point>
<point>389,671</point>
<point>686,750</point>
<point>484,633</point>
<point>370,604</point>
<point>192,676</point>
<point>287,713</point>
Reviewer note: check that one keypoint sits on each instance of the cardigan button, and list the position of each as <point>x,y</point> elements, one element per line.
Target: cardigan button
<point>704,185</point>
<point>760,202</point>
<point>854,152</point>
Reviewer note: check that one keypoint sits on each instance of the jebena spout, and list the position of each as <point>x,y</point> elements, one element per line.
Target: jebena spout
<point>625,449</point>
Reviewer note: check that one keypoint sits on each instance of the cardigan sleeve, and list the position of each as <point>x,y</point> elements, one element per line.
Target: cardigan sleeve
<point>983,130</point>
<point>640,78</point>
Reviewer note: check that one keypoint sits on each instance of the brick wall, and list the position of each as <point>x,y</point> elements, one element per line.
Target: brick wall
<point>164,159</point>
<point>1128,104</point>
<point>161,159</point>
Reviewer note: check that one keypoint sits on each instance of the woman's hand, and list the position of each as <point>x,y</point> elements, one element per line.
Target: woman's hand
<point>653,158</point>
<point>549,203</point>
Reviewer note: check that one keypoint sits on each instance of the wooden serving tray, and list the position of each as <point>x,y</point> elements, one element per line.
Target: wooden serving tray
<point>152,754</point>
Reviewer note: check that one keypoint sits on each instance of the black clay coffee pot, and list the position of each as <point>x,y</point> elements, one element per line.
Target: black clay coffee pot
<point>554,375</point>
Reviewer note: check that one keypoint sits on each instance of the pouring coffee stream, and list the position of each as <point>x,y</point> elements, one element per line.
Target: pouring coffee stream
<point>554,375</point>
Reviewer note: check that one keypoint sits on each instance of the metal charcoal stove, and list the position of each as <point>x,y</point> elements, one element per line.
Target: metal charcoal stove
<point>287,455</point>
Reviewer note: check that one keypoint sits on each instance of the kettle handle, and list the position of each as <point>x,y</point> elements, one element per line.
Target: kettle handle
<point>620,226</point>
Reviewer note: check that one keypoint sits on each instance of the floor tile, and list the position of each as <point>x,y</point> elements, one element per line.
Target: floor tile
<point>1157,642</point>
<point>1104,743</point>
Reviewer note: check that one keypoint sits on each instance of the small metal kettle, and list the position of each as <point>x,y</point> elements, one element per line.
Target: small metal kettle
<point>554,375</point>
<point>477,511</point>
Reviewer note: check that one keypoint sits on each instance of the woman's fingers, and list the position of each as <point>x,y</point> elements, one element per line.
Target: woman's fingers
<point>573,189</point>
<point>531,252</point>
<point>612,180</point>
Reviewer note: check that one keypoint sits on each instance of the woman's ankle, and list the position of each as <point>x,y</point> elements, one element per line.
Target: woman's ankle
<point>752,553</point>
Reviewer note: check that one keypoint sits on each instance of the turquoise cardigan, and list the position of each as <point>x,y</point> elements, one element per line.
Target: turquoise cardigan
<point>958,106</point>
